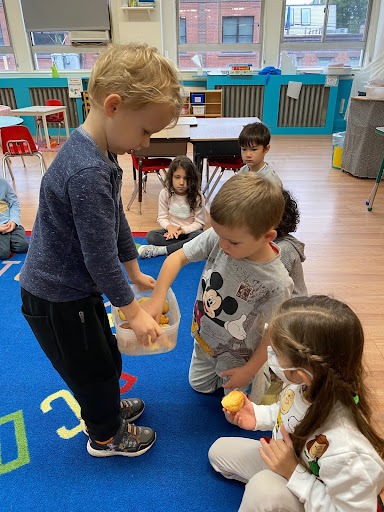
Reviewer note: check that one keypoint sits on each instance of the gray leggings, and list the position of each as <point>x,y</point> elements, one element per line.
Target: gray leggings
<point>156,237</point>
<point>16,241</point>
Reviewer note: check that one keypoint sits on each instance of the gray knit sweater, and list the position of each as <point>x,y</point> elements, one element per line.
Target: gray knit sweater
<point>80,234</point>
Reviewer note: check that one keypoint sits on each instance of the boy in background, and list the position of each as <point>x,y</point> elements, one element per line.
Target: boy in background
<point>254,141</point>
<point>243,280</point>
<point>81,239</point>
<point>12,234</point>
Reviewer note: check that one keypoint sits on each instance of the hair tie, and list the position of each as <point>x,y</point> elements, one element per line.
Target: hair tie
<point>356,399</point>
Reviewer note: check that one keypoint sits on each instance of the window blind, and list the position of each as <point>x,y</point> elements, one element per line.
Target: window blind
<point>59,15</point>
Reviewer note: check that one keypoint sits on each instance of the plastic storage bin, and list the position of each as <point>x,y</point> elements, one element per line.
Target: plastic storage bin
<point>126,338</point>
<point>375,92</point>
<point>198,110</point>
<point>337,152</point>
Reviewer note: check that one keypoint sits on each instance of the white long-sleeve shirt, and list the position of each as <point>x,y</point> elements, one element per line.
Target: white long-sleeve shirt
<point>175,210</point>
<point>347,474</point>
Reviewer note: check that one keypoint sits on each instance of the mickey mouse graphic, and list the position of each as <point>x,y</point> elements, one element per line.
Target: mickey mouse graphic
<point>213,304</point>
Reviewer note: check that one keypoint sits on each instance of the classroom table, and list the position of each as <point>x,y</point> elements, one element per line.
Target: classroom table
<point>211,137</point>
<point>169,142</point>
<point>217,137</point>
<point>380,131</point>
<point>43,111</point>
<point>10,121</point>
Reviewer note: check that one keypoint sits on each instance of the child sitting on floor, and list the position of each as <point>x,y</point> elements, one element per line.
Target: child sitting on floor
<point>324,454</point>
<point>242,282</point>
<point>181,210</point>
<point>12,234</point>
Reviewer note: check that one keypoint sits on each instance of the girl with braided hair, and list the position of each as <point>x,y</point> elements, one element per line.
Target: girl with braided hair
<point>324,454</point>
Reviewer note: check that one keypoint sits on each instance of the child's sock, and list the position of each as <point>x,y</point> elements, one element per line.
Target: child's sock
<point>151,251</point>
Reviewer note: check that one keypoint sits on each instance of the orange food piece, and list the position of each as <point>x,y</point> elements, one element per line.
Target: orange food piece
<point>234,401</point>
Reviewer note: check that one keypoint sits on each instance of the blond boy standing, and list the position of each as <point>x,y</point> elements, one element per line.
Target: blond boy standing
<point>81,237</point>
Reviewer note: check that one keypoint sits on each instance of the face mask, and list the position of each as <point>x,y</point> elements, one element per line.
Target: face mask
<point>273,363</point>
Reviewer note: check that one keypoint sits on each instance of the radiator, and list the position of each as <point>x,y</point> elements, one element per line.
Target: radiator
<point>310,109</point>
<point>7,97</point>
<point>39,95</point>
<point>243,100</point>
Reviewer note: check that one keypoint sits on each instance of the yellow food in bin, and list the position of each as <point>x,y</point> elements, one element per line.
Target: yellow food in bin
<point>126,338</point>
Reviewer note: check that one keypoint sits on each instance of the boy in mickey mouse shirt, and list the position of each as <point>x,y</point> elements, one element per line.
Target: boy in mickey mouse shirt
<point>243,280</point>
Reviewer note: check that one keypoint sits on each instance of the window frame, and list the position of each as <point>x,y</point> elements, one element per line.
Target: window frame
<point>237,35</point>
<point>184,19</point>
<point>7,49</point>
<point>323,44</point>
<point>221,48</point>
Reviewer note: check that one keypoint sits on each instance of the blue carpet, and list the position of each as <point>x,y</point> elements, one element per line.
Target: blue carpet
<point>44,465</point>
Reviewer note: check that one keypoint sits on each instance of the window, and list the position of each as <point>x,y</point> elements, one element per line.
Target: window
<point>49,24</point>
<point>326,32</point>
<point>183,31</point>
<point>221,32</point>
<point>55,47</point>
<point>7,57</point>
<point>305,16</point>
<point>238,29</point>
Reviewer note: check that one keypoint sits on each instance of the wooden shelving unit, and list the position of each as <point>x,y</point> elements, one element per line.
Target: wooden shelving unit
<point>212,105</point>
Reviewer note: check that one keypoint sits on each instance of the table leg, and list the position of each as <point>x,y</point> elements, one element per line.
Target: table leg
<point>66,123</point>
<point>48,142</point>
<point>135,189</point>
<point>372,195</point>
<point>140,181</point>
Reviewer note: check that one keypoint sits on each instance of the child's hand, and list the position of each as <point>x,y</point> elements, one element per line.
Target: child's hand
<point>279,454</point>
<point>151,307</point>
<point>239,377</point>
<point>8,227</point>
<point>172,232</point>
<point>245,418</point>
<point>143,281</point>
<point>143,325</point>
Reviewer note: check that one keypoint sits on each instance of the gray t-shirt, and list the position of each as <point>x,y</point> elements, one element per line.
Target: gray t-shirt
<point>266,172</point>
<point>234,299</point>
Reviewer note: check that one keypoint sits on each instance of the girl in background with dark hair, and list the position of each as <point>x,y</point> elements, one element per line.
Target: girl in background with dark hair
<point>181,213</point>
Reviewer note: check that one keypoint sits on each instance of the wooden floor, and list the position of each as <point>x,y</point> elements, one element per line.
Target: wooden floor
<point>344,242</point>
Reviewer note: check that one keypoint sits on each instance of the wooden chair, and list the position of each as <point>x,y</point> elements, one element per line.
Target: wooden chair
<point>18,141</point>
<point>86,103</point>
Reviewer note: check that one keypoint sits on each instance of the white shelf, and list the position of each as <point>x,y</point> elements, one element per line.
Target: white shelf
<point>149,8</point>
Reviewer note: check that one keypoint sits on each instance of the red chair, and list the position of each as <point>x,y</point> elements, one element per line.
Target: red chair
<point>233,163</point>
<point>18,141</point>
<point>148,165</point>
<point>53,118</point>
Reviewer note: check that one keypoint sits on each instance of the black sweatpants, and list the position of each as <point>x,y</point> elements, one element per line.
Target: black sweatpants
<point>77,339</point>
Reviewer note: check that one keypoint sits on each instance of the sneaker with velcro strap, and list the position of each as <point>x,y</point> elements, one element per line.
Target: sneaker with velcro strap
<point>129,441</point>
<point>130,409</point>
